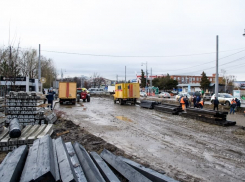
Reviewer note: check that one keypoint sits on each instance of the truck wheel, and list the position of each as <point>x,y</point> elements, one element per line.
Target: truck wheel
<point>84,100</point>
<point>115,101</point>
<point>78,99</point>
<point>121,102</point>
<point>88,99</point>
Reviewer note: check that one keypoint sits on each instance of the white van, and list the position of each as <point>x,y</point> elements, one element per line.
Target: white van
<point>96,90</point>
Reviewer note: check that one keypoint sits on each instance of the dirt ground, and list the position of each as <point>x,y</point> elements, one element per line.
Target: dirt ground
<point>186,149</point>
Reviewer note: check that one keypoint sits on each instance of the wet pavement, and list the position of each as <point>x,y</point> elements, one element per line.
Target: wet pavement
<point>186,149</point>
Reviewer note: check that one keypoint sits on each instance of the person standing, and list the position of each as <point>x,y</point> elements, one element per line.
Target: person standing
<point>194,101</point>
<point>201,104</point>
<point>233,106</point>
<point>182,102</point>
<point>50,97</point>
<point>186,101</point>
<point>216,104</point>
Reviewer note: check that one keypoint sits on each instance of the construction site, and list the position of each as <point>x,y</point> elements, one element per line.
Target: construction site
<point>120,137</point>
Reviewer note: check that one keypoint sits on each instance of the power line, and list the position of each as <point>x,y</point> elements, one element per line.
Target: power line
<point>214,66</point>
<point>206,62</point>
<point>104,55</point>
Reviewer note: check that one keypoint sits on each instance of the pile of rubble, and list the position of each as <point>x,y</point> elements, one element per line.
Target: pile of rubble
<point>53,160</point>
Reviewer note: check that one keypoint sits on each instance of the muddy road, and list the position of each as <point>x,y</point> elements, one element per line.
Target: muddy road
<point>187,150</point>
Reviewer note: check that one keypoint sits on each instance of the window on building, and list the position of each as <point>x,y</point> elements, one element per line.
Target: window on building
<point>174,78</point>
<point>178,78</point>
<point>193,79</point>
<point>211,79</point>
<point>197,79</point>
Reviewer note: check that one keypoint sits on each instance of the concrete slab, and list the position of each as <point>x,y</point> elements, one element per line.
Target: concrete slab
<point>91,171</point>
<point>147,172</point>
<point>23,138</point>
<point>47,131</point>
<point>34,135</point>
<point>67,172</point>
<point>11,168</point>
<point>4,133</point>
<point>45,166</point>
<point>106,172</point>
<point>75,162</point>
<point>4,141</point>
<point>124,169</point>
<point>31,163</point>
<point>56,166</point>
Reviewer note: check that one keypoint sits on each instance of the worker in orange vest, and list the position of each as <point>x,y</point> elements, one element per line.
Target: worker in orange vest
<point>182,102</point>
<point>233,105</point>
<point>201,103</point>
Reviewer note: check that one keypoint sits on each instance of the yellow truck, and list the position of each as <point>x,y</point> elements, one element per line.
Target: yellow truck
<point>127,93</point>
<point>67,92</point>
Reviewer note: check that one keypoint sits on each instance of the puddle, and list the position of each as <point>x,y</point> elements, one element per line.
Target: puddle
<point>124,118</point>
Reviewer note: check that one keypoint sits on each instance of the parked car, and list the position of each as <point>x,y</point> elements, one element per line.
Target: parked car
<point>96,90</point>
<point>206,96</point>
<point>177,97</point>
<point>164,95</point>
<point>223,98</point>
<point>143,94</point>
<point>174,92</point>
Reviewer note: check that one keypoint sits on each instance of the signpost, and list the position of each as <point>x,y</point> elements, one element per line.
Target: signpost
<point>43,80</point>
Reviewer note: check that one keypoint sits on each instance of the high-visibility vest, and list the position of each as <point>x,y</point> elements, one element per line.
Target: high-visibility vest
<point>233,102</point>
<point>182,100</point>
<point>201,102</point>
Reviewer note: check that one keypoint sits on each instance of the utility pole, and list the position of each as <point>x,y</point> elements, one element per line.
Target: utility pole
<point>217,73</point>
<point>151,77</point>
<point>146,75</point>
<point>39,67</point>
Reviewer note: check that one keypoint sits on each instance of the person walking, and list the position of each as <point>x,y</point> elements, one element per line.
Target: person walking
<point>233,106</point>
<point>182,102</point>
<point>216,104</point>
<point>50,97</point>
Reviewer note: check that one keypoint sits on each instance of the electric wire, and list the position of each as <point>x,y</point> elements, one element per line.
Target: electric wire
<point>120,56</point>
<point>214,66</point>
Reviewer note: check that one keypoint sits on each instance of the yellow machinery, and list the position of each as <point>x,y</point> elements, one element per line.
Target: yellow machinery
<point>126,93</point>
<point>67,92</point>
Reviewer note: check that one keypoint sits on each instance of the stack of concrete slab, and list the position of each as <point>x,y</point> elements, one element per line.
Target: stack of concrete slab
<point>23,105</point>
<point>28,135</point>
<point>54,160</point>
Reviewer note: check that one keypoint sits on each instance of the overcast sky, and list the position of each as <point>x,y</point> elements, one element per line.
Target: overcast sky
<point>172,36</point>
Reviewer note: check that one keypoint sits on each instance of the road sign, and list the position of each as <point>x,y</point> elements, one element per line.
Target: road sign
<point>43,80</point>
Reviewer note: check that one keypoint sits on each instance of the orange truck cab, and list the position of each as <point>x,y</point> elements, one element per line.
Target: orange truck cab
<point>126,93</point>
